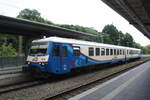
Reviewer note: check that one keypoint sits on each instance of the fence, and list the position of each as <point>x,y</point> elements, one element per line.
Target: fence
<point>11,61</point>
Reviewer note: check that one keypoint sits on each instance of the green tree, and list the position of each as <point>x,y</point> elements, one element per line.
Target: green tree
<point>120,39</point>
<point>80,28</point>
<point>7,38</point>
<point>146,49</point>
<point>105,38</point>
<point>7,50</point>
<point>112,32</point>
<point>128,40</point>
<point>137,45</point>
<point>32,15</point>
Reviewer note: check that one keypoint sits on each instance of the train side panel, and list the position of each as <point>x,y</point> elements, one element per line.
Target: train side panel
<point>78,56</point>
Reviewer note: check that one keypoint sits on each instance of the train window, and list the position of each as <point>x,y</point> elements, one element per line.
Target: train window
<point>91,51</point>
<point>118,52</point>
<point>123,52</point>
<point>64,51</point>
<point>114,51</point>
<point>97,51</point>
<point>111,51</point>
<point>107,52</point>
<point>56,51</point>
<point>138,52</point>
<point>76,51</point>
<point>102,51</point>
<point>129,52</point>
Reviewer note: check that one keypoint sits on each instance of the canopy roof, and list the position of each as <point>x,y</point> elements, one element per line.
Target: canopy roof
<point>137,12</point>
<point>9,25</point>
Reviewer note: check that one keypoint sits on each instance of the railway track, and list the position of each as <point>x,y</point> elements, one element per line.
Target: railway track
<point>21,85</point>
<point>63,88</point>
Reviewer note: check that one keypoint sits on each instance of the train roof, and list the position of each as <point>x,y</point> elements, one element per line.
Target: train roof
<point>74,41</point>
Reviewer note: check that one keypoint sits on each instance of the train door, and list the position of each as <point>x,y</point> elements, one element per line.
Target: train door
<point>76,56</point>
<point>64,58</point>
<point>125,54</point>
<point>56,58</point>
<point>60,58</point>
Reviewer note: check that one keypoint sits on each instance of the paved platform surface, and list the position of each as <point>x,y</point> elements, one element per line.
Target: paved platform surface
<point>7,70</point>
<point>132,85</point>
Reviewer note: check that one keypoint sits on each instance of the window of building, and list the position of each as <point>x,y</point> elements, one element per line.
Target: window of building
<point>91,51</point>
<point>76,51</point>
<point>111,51</point>
<point>56,51</point>
<point>102,51</point>
<point>107,52</point>
<point>97,51</point>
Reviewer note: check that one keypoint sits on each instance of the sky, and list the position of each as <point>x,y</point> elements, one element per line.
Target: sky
<point>88,13</point>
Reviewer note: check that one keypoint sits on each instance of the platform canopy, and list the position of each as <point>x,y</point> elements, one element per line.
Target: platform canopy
<point>9,25</point>
<point>137,12</point>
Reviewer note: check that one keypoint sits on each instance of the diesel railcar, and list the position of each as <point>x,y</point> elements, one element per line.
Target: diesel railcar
<point>57,55</point>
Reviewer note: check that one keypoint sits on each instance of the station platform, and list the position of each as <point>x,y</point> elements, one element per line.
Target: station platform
<point>131,85</point>
<point>13,69</point>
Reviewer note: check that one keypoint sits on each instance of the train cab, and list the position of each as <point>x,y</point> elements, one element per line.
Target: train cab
<point>49,57</point>
<point>38,56</point>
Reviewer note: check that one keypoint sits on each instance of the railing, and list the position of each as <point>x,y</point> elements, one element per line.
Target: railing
<point>11,61</point>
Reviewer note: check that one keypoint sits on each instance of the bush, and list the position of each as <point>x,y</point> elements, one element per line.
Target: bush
<point>7,50</point>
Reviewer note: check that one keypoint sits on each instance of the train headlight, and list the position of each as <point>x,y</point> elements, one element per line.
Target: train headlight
<point>28,62</point>
<point>43,64</point>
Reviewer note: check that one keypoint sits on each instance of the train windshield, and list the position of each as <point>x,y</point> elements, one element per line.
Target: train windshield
<point>39,48</point>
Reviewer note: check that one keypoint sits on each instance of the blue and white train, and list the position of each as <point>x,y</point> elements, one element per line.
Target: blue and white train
<point>57,55</point>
